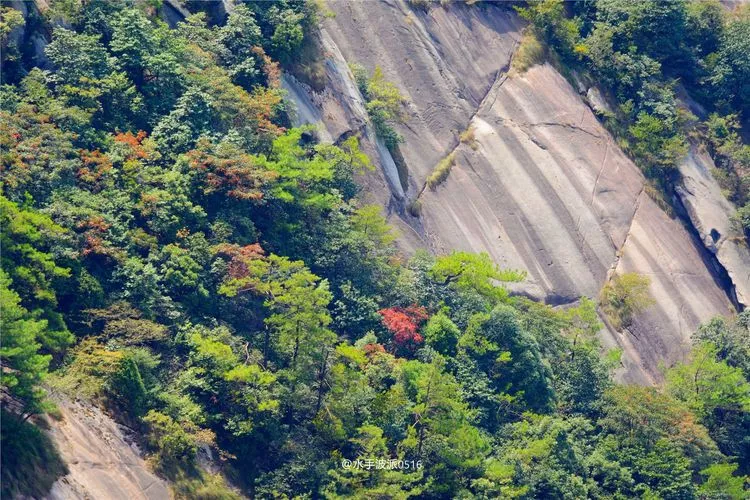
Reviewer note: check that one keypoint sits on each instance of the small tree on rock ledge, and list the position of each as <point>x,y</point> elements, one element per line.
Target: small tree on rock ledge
<point>624,296</point>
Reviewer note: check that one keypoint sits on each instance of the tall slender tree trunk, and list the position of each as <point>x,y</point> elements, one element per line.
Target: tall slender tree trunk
<point>321,378</point>
<point>296,345</point>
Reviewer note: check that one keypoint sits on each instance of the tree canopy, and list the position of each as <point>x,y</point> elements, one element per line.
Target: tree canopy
<point>174,251</point>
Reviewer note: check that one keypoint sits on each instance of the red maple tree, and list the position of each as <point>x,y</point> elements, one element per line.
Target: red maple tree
<point>404,322</point>
<point>373,349</point>
<point>233,172</point>
<point>136,150</point>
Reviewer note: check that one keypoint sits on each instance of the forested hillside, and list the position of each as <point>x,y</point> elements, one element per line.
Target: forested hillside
<point>174,251</point>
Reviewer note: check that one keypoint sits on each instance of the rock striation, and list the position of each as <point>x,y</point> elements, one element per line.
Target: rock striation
<point>101,461</point>
<point>539,184</point>
<point>710,212</point>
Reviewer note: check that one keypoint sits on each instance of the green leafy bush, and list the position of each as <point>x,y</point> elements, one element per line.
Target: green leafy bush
<point>174,447</point>
<point>655,146</point>
<point>383,103</point>
<point>624,296</point>
<point>742,218</point>
<point>127,388</point>
<point>415,208</point>
<point>732,159</point>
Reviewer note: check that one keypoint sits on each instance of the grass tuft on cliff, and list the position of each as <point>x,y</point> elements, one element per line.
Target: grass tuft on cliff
<point>442,171</point>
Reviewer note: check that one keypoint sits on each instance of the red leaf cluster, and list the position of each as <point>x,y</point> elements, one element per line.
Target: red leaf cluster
<point>94,230</point>
<point>239,257</point>
<point>238,176</point>
<point>137,151</point>
<point>270,68</point>
<point>373,349</point>
<point>95,166</point>
<point>404,322</point>
<point>96,223</point>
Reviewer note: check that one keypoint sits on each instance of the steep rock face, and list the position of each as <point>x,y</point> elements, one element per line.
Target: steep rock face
<point>542,187</point>
<point>686,291</point>
<point>543,182</point>
<point>443,60</point>
<point>32,41</point>
<point>709,212</point>
<point>546,189</point>
<point>102,463</point>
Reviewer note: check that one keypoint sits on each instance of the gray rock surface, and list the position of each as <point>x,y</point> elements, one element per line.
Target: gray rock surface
<point>173,12</point>
<point>543,187</point>
<point>102,463</point>
<point>443,60</point>
<point>34,41</point>
<point>547,190</point>
<point>709,212</point>
<point>686,291</point>
<point>598,102</point>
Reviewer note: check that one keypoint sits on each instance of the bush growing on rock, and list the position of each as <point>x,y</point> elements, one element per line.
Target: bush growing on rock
<point>441,171</point>
<point>174,447</point>
<point>624,296</point>
<point>468,137</point>
<point>383,103</point>
<point>742,219</point>
<point>415,208</point>
<point>529,53</point>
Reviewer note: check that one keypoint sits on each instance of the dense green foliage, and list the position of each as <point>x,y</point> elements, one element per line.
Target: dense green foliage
<point>382,102</point>
<point>718,391</point>
<point>733,161</point>
<point>643,54</point>
<point>24,365</point>
<point>175,253</point>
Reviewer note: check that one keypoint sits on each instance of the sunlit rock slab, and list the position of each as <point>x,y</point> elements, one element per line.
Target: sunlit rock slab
<point>101,461</point>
